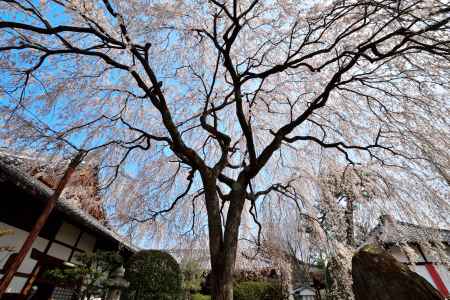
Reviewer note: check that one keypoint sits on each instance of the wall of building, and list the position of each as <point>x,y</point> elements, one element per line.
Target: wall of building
<point>420,267</point>
<point>445,275</point>
<point>65,245</point>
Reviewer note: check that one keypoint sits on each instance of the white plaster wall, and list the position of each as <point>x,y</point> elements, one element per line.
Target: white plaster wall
<point>67,234</point>
<point>422,271</point>
<point>16,240</point>
<point>86,243</point>
<point>28,264</point>
<point>398,254</point>
<point>445,275</point>
<point>59,251</point>
<point>16,285</point>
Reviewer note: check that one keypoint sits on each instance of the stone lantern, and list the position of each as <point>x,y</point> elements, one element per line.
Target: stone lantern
<point>116,283</point>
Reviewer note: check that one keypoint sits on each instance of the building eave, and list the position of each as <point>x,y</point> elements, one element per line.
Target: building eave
<point>39,191</point>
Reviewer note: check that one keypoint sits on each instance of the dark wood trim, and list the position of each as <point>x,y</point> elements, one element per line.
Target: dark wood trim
<point>68,246</point>
<point>437,280</point>
<point>44,258</point>
<point>9,261</point>
<point>418,263</point>
<point>75,246</point>
<point>426,261</point>
<point>27,287</point>
<point>79,238</point>
<point>32,276</point>
<point>40,222</point>
<point>18,274</point>
<point>421,252</point>
<point>64,244</point>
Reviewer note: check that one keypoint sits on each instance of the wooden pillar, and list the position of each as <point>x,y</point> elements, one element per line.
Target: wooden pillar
<point>14,266</point>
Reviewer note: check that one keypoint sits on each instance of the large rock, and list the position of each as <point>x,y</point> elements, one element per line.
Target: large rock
<point>379,276</point>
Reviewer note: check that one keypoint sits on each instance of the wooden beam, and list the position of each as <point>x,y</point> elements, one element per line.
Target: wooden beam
<point>439,283</point>
<point>37,267</point>
<point>45,259</point>
<point>33,234</point>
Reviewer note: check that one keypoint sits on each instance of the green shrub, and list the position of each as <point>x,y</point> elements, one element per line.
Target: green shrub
<point>153,275</point>
<point>192,276</point>
<point>258,290</point>
<point>200,297</point>
<point>92,270</point>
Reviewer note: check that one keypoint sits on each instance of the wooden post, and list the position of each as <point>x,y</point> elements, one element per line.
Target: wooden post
<point>51,202</point>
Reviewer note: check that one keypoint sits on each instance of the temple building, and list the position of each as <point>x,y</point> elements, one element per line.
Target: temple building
<point>428,249</point>
<point>76,225</point>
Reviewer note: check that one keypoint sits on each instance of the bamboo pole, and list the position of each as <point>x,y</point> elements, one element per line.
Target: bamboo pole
<point>14,266</point>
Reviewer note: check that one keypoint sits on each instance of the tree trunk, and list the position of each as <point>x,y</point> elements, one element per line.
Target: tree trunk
<point>222,245</point>
<point>350,236</point>
<point>222,283</point>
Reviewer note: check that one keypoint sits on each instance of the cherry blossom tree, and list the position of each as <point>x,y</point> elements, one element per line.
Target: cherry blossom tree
<point>202,109</point>
<point>342,209</point>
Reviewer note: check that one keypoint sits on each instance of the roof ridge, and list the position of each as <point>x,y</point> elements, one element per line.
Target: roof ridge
<point>422,226</point>
<point>4,152</point>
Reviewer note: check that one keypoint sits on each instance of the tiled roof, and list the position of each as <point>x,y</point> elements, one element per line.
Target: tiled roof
<point>14,169</point>
<point>392,231</point>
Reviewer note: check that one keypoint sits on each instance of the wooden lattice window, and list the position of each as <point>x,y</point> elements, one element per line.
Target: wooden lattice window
<point>61,293</point>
